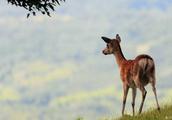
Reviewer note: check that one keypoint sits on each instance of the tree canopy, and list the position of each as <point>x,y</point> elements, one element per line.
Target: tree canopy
<point>34,6</point>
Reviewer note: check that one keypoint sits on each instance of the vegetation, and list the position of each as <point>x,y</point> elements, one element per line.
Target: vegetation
<point>34,6</point>
<point>164,114</point>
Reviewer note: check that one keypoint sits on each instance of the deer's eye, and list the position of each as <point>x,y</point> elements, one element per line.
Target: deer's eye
<point>107,46</point>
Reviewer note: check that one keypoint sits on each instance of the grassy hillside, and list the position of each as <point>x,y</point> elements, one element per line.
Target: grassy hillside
<point>164,114</point>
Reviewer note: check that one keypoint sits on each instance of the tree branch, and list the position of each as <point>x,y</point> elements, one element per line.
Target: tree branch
<point>34,6</point>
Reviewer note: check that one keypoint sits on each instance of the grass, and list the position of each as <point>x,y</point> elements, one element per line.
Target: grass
<point>164,114</point>
<point>152,114</point>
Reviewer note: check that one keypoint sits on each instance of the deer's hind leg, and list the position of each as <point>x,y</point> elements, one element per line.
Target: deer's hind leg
<point>140,85</point>
<point>153,80</point>
<point>133,99</point>
<point>144,92</point>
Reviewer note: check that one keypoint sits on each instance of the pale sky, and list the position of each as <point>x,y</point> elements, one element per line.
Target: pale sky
<point>54,66</point>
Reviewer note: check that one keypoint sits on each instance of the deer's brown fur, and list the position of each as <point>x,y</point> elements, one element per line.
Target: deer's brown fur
<point>134,74</point>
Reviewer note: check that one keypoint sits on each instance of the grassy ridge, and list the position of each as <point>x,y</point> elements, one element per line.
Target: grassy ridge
<point>152,114</point>
<point>164,114</point>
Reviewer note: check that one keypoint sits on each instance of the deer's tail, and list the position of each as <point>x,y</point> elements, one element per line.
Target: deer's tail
<point>147,66</point>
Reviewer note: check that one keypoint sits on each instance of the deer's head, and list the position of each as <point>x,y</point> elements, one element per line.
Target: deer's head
<point>112,45</point>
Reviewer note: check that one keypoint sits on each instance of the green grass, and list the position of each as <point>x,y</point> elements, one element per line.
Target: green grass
<point>153,114</point>
<point>164,114</point>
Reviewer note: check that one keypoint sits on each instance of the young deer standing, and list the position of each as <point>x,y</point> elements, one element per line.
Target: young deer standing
<point>134,74</point>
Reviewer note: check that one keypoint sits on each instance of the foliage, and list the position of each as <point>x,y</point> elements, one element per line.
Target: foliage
<point>34,6</point>
<point>153,114</point>
<point>80,118</point>
<point>164,114</point>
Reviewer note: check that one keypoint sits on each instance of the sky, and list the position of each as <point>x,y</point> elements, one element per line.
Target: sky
<point>52,68</point>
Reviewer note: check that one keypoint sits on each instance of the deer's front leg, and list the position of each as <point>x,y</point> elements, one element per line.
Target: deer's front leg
<point>125,89</point>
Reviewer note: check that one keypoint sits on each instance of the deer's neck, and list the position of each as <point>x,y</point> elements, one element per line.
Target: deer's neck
<point>119,56</point>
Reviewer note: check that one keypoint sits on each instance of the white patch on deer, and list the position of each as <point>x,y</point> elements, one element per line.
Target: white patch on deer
<point>146,62</point>
<point>142,63</point>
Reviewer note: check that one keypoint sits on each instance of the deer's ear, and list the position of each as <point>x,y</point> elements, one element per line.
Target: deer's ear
<point>118,37</point>
<point>107,40</point>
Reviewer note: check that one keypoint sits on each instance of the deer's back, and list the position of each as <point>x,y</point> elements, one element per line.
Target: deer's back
<point>137,71</point>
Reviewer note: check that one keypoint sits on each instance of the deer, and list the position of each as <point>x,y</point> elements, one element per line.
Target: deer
<point>136,73</point>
